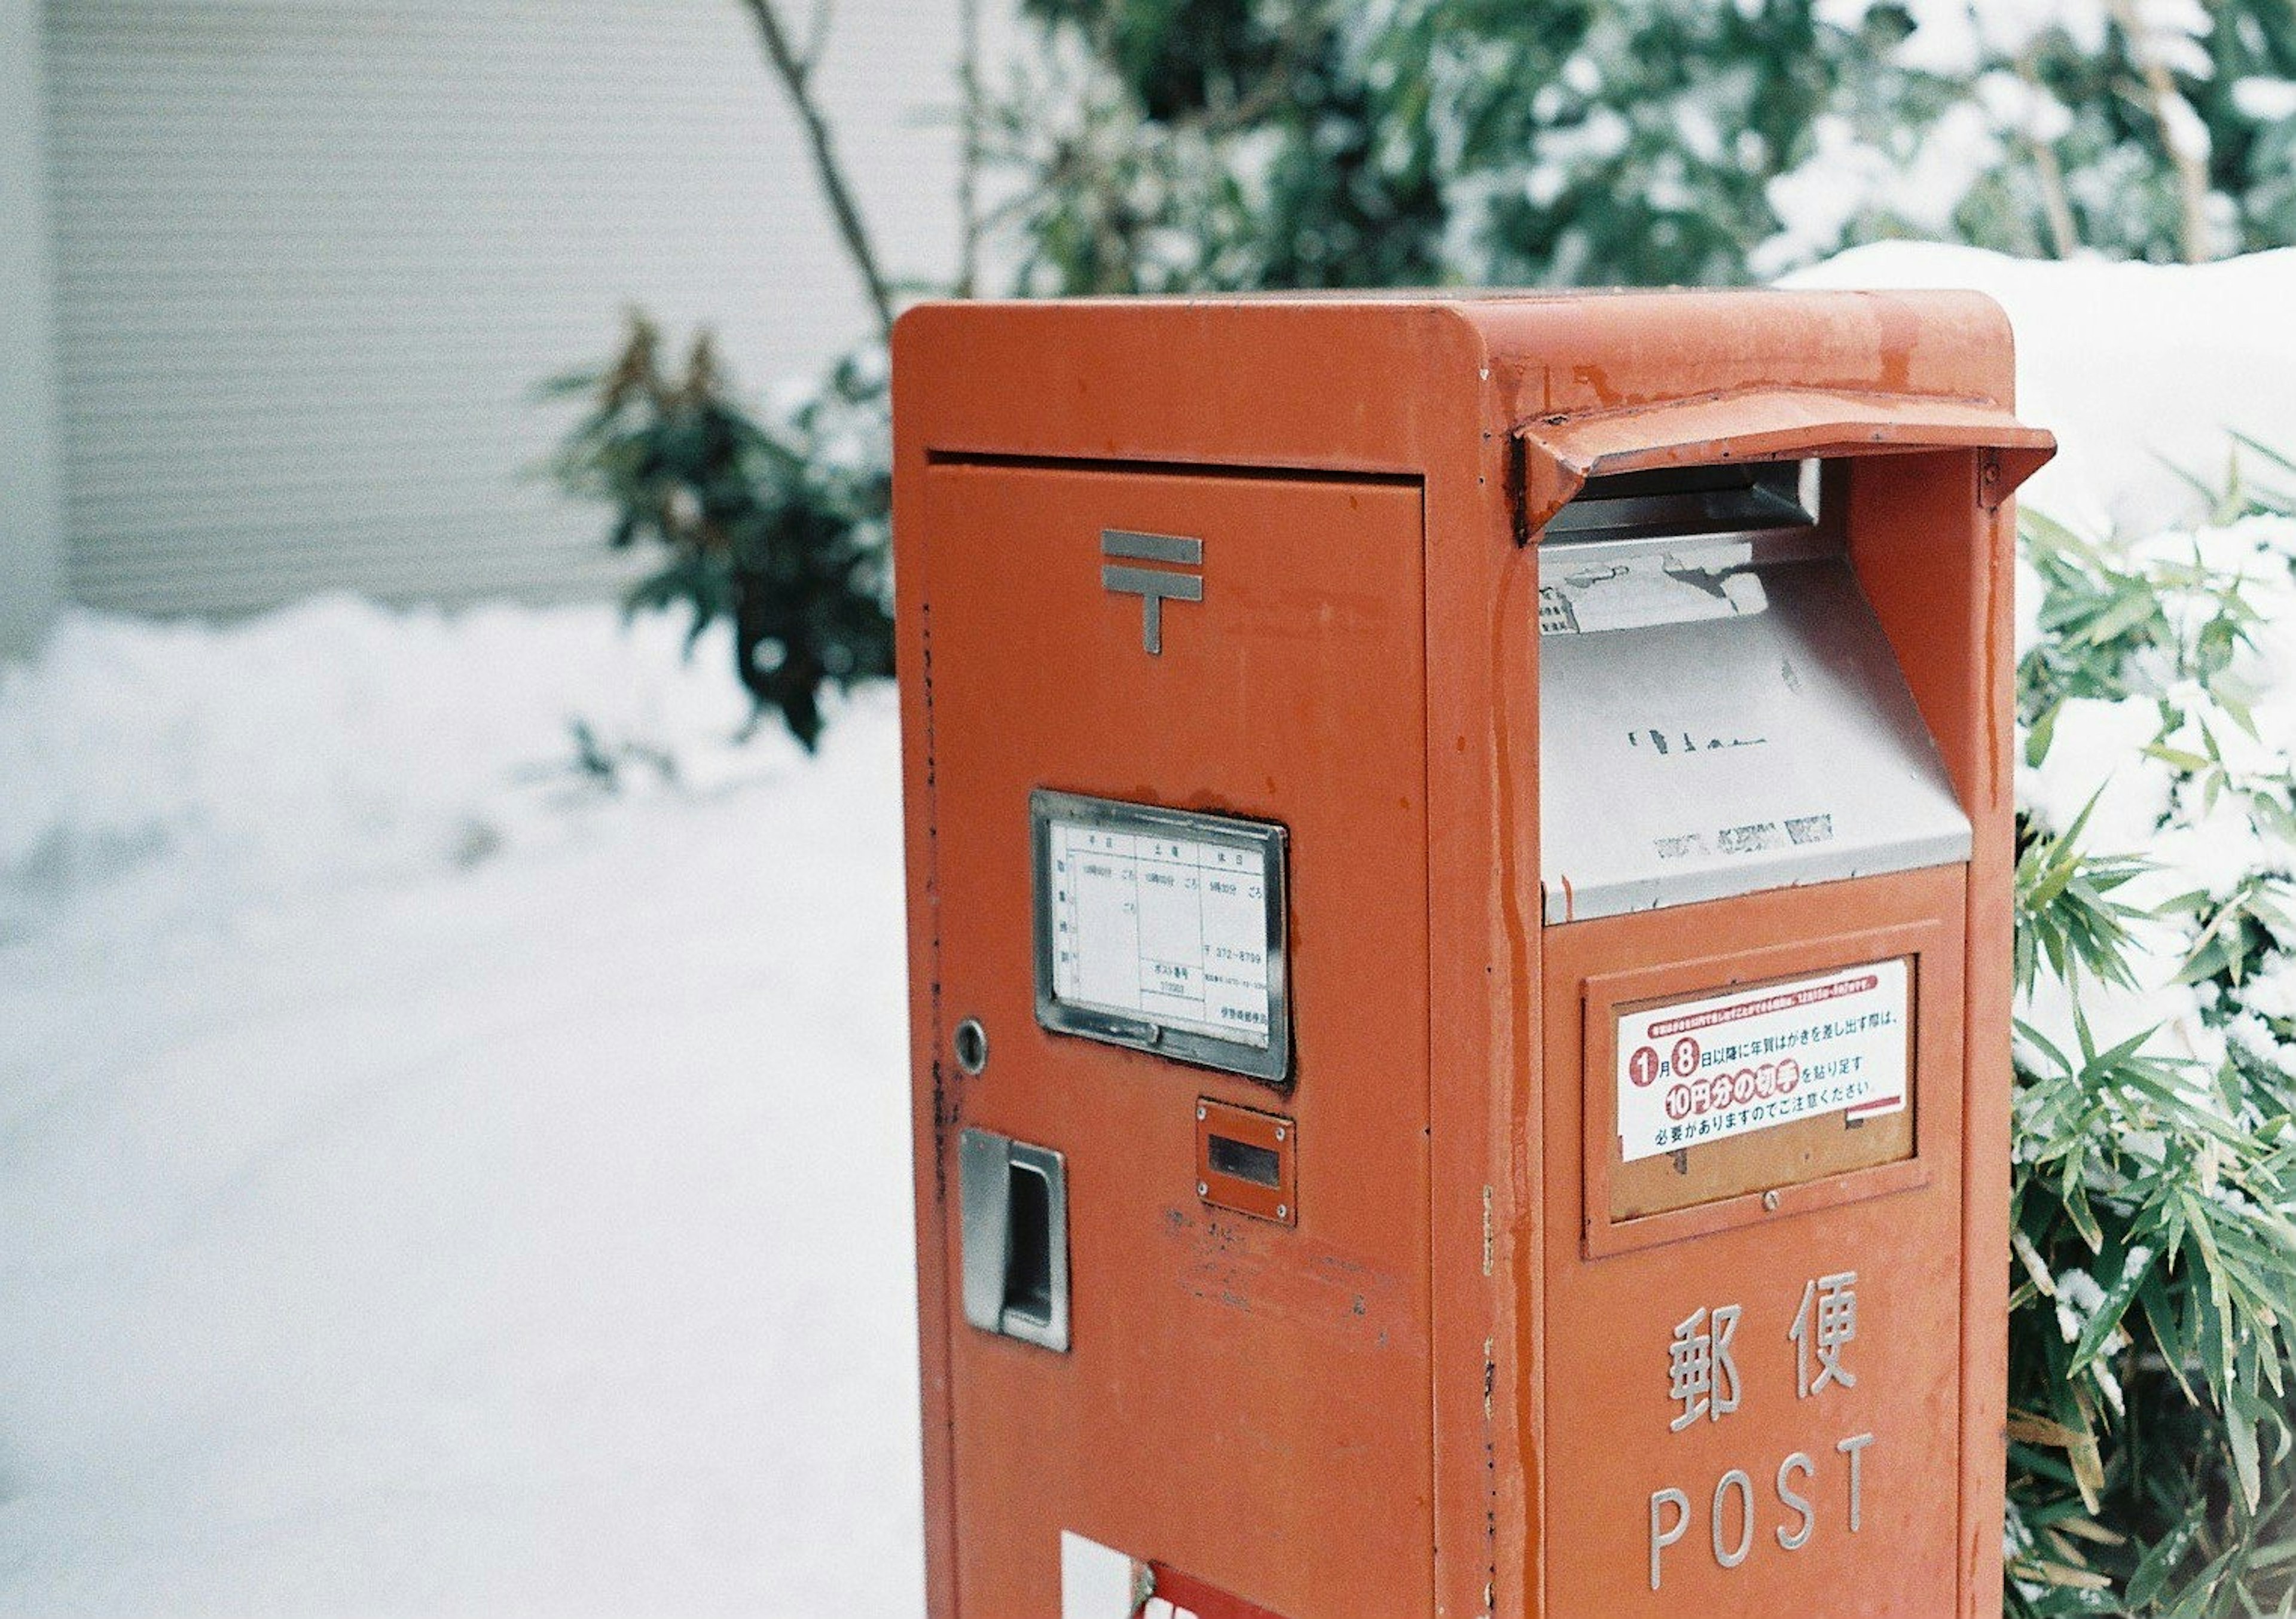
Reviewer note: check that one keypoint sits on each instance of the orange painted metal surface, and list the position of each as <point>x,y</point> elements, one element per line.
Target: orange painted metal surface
<point>1897,1233</point>
<point>1446,1386</point>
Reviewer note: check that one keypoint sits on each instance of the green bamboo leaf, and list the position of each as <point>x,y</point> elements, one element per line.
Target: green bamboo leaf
<point>2107,1319</point>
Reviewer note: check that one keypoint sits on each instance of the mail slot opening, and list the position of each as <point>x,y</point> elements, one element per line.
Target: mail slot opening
<point>1258,1164</point>
<point>1727,498</point>
<point>1724,712</point>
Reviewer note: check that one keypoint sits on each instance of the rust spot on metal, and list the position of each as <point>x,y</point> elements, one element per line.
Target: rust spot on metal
<point>1518,492</point>
<point>1598,381</point>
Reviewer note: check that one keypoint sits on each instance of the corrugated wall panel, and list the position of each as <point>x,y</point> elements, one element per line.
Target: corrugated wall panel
<point>313,257</point>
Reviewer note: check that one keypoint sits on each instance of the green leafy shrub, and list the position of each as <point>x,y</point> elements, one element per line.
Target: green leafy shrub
<point>1168,145</point>
<point>2154,1305</point>
<point>780,528</point>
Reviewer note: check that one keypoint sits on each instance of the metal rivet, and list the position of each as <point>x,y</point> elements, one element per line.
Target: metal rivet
<point>1204,1113</point>
<point>971,1043</point>
<point>1202,1191</point>
<point>1283,1212</point>
<point>1770,1201</point>
<point>1279,1132</point>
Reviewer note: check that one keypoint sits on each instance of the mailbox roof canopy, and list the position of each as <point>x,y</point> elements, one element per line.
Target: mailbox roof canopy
<point>1559,385</point>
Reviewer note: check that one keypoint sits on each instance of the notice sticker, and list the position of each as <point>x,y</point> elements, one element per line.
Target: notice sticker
<point>1703,1070</point>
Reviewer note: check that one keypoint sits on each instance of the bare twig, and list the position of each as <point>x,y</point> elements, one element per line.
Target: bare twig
<point>1114,264</point>
<point>795,70</point>
<point>2192,234</point>
<point>817,36</point>
<point>969,155</point>
<point>2064,236</point>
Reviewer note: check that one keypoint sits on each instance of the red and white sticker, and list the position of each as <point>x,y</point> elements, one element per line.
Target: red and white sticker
<point>1703,1070</point>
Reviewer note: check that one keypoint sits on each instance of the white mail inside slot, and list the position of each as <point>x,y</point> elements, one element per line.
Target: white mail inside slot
<point>1169,930</point>
<point>1767,739</point>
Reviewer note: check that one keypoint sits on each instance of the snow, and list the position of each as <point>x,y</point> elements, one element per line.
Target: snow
<point>1953,37</point>
<point>326,740</point>
<point>401,1218</point>
<point>2078,1299</point>
<point>2139,368</point>
<point>2174,775</point>
<point>2096,761</point>
<point>435,1179</point>
<point>1921,179</point>
<point>2267,101</point>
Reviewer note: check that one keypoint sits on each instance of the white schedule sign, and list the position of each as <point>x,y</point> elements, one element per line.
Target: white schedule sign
<point>1698,1071</point>
<point>1161,928</point>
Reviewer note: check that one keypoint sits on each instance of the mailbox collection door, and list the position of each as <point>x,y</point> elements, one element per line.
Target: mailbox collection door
<point>1243,1397</point>
<point>1753,1397</point>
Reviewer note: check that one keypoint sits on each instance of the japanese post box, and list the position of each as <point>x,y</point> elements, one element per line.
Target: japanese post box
<point>1459,863</point>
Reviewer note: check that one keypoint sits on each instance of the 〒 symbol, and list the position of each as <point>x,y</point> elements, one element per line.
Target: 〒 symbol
<point>1153,586</point>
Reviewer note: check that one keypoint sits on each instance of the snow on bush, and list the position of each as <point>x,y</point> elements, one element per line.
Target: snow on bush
<point>2154,1314</point>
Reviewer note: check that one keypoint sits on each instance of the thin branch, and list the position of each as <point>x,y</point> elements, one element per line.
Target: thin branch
<point>970,224</point>
<point>1115,266</point>
<point>817,37</point>
<point>2064,236</point>
<point>796,74</point>
<point>2193,232</point>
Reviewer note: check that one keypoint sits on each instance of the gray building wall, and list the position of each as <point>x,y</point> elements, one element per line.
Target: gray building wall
<point>31,532</point>
<point>311,259</point>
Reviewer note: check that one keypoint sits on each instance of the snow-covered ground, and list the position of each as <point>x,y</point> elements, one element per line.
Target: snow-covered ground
<point>430,1184</point>
<point>434,1180</point>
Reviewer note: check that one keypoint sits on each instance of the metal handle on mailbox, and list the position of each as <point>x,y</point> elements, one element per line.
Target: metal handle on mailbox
<point>1014,1202</point>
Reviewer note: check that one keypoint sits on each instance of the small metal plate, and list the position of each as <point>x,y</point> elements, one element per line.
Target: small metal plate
<point>1248,1162</point>
<point>1162,930</point>
<point>1807,1000</point>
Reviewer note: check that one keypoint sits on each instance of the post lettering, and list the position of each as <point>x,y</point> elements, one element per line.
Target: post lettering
<point>1660,1535</point>
<point>1730,1557</point>
<point>1794,1540</point>
<point>1854,1447</point>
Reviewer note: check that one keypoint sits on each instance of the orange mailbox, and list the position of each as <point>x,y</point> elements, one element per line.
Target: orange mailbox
<point>1459,893</point>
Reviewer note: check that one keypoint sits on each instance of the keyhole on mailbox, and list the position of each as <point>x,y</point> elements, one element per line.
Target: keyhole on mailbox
<point>972,1042</point>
